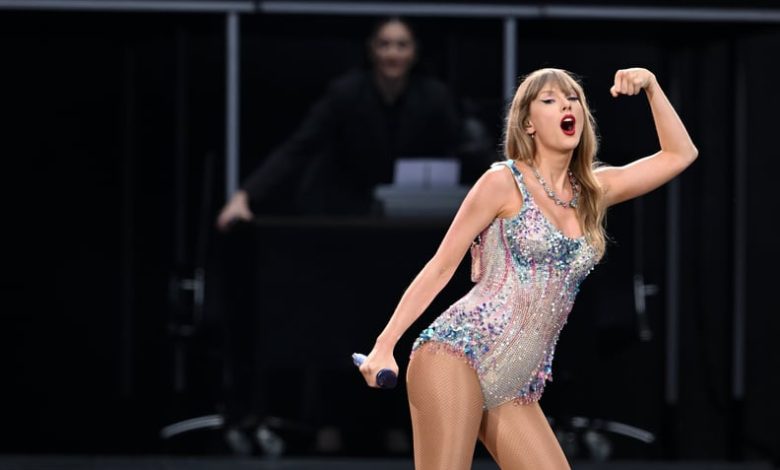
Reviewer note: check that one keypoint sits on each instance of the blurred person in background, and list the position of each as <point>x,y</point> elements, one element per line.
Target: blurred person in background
<point>351,137</point>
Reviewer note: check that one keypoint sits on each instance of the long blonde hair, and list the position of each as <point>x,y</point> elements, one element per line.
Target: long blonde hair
<point>519,146</point>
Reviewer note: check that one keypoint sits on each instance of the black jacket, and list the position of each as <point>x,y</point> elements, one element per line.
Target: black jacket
<point>350,139</point>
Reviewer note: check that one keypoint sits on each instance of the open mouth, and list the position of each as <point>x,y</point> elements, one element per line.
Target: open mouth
<point>568,124</point>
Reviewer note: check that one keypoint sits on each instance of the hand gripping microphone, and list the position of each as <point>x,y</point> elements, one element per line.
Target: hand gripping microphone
<point>385,378</point>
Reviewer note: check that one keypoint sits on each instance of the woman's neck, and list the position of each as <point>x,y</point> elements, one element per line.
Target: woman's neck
<point>554,168</point>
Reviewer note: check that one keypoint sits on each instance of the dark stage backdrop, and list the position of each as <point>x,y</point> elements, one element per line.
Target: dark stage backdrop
<point>112,177</point>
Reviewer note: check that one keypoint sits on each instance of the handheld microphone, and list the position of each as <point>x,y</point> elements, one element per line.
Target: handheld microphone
<point>385,378</point>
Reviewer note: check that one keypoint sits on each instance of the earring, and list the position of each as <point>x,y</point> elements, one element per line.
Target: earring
<point>533,135</point>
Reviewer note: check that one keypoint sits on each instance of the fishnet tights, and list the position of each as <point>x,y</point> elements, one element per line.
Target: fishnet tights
<point>445,402</point>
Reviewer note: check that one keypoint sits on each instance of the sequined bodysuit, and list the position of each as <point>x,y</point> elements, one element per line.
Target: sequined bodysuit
<point>506,327</point>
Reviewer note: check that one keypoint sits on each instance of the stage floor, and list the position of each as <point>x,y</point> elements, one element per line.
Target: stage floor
<point>55,462</point>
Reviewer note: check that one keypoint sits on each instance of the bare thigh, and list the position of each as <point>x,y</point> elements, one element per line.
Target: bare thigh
<point>445,403</point>
<point>519,437</point>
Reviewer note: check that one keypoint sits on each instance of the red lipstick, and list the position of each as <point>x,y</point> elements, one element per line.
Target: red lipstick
<point>569,124</point>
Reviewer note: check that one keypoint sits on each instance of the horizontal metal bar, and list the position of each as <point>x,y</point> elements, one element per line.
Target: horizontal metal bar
<point>541,11</point>
<point>405,9</point>
<point>589,12</point>
<point>728,15</point>
<point>194,6</point>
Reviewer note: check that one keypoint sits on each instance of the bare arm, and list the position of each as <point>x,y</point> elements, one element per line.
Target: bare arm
<point>677,150</point>
<point>482,204</point>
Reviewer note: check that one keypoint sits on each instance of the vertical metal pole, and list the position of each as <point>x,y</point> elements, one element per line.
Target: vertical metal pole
<point>672,292</point>
<point>176,295</point>
<point>739,311</point>
<point>180,156</point>
<point>231,103</point>
<point>740,220</point>
<point>510,58</point>
<point>673,268</point>
<point>641,290</point>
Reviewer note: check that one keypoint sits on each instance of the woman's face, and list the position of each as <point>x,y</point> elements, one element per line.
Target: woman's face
<point>556,118</point>
<point>393,50</point>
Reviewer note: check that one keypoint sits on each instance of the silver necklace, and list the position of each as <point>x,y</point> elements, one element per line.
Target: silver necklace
<point>575,189</point>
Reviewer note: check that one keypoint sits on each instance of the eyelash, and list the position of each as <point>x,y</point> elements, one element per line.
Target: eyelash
<point>550,100</point>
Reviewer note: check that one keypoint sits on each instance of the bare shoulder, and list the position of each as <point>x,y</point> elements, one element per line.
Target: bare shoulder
<point>499,175</point>
<point>497,185</point>
<point>497,179</point>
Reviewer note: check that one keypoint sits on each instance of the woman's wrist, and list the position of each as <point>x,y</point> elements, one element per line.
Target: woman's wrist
<point>384,343</point>
<point>652,85</point>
